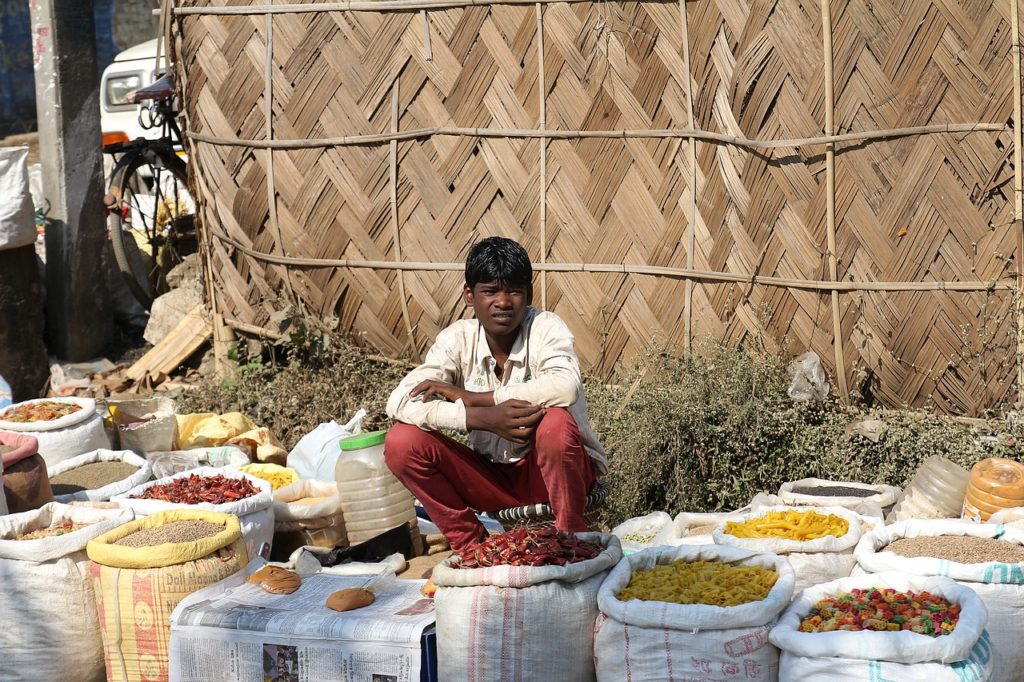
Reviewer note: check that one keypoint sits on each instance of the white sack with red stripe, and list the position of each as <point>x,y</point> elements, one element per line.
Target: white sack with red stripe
<point>640,640</point>
<point>520,622</point>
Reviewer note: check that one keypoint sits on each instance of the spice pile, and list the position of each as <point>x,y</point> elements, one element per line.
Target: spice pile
<point>789,525</point>
<point>174,532</point>
<point>640,538</point>
<point>528,547</point>
<point>706,529</point>
<point>883,610</point>
<point>91,476</point>
<point>276,479</point>
<point>961,549</point>
<point>60,528</point>
<point>196,489</point>
<point>700,582</point>
<point>43,411</point>
<point>833,491</point>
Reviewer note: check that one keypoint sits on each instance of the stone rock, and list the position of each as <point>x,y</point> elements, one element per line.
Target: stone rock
<point>189,272</point>
<point>168,310</point>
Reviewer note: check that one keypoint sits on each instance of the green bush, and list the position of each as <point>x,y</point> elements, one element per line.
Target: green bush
<point>709,432</point>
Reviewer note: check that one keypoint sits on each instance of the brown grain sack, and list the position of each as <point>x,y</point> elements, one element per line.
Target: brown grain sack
<point>26,485</point>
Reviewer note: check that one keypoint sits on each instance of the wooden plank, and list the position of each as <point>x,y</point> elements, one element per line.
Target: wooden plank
<point>186,338</point>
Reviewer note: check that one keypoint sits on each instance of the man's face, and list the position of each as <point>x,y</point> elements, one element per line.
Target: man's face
<point>500,307</point>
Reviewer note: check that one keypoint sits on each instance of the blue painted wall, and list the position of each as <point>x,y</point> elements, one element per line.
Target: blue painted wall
<point>17,82</point>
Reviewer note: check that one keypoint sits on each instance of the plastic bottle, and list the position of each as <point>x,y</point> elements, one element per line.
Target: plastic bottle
<point>936,492</point>
<point>995,484</point>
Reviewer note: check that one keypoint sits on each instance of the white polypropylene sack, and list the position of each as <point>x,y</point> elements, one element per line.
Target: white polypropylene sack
<point>157,430</point>
<point>50,627</point>
<point>256,513</point>
<point>1011,518</point>
<point>177,461</point>
<point>680,531</point>
<point>814,561</point>
<point>650,526</point>
<point>290,516</point>
<point>527,622</point>
<point>106,492</point>
<point>87,411</point>
<point>885,495</point>
<point>963,654</point>
<point>17,212</point>
<point>317,453</point>
<point>1000,586</point>
<point>63,444</point>
<point>641,640</point>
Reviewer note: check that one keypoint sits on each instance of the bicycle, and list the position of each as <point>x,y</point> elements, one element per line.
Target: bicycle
<point>147,195</point>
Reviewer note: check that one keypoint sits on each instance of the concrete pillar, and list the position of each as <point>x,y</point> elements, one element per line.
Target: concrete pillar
<point>78,316</point>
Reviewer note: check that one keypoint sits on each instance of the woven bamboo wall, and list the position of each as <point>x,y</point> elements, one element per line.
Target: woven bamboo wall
<point>607,180</point>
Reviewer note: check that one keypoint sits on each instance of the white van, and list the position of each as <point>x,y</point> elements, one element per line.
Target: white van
<point>131,69</point>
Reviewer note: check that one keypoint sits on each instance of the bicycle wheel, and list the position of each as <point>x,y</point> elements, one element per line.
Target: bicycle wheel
<point>150,205</point>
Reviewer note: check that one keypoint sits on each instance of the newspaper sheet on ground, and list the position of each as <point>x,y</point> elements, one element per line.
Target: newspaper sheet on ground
<point>237,632</point>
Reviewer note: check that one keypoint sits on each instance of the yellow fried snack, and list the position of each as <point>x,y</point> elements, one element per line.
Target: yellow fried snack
<point>700,582</point>
<point>789,525</point>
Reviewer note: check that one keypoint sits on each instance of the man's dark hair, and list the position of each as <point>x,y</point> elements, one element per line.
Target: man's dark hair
<point>497,259</point>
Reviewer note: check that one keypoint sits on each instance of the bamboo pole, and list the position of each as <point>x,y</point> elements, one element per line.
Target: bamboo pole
<point>669,133</point>
<point>354,6</point>
<point>1018,189</point>
<point>626,268</point>
<point>396,232</point>
<point>541,88</point>
<point>830,198</point>
<point>268,112</point>
<point>691,217</point>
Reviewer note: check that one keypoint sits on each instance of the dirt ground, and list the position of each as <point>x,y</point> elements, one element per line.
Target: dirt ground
<point>422,566</point>
<point>30,139</point>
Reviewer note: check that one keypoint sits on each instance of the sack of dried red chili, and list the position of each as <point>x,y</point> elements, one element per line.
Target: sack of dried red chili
<point>220,490</point>
<point>533,622</point>
<point>862,651</point>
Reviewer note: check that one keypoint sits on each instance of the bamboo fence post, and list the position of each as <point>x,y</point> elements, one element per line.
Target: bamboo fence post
<point>268,104</point>
<point>830,197</point>
<point>541,91</point>
<point>691,218</point>
<point>396,233</point>
<point>1018,189</point>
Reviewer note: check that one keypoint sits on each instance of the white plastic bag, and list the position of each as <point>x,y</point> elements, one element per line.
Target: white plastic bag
<point>317,453</point>
<point>1000,586</point>
<point>963,654</point>
<point>807,378</point>
<point>17,213</point>
<point>176,461</point>
<point>106,492</point>
<point>641,640</point>
<point>51,630</point>
<point>256,513</point>
<point>814,561</point>
<point>641,531</point>
<point>537,621</point>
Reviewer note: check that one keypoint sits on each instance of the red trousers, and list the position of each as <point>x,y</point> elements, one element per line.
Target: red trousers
<point>451,480</point>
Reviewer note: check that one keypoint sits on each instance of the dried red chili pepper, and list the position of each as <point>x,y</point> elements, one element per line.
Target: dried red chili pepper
<point>528,547</point>
<point>196,489</point>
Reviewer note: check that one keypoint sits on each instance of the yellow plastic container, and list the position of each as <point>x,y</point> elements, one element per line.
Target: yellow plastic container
<point>995,484</point>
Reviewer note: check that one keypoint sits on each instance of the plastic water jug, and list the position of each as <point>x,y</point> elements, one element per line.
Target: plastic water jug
<point>372,499</point>
<point>936,492</point>
<point>995,484</point>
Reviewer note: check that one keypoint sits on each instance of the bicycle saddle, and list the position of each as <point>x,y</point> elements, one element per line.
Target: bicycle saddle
<point>161,88</point>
